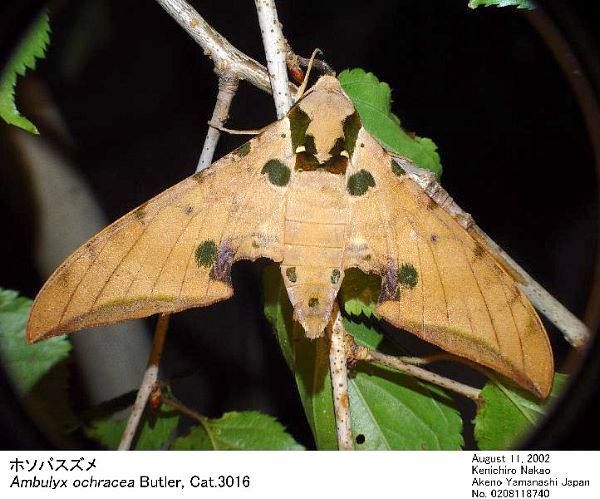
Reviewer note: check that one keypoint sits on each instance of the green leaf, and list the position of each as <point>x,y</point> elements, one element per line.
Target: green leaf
<point>390,410</point>
<point>249,430</point>
<point>508,413</point>
<point>155,429</point>
<point>520,4</point>
<point>359,292</point>
<point>32,47</point>
<point>26,364</point>
<point>372,100</point>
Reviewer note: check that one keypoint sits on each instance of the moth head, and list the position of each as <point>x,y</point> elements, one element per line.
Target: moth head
<point>324,126</point>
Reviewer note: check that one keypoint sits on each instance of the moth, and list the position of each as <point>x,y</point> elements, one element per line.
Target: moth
<point>317,193</point>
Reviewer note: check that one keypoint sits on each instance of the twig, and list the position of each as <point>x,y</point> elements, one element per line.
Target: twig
<point>203,420</point>
<point>225,56</point>
<point>587,101</point>
<point>228,85</point>
<point>339,380</point>
<point>574,330</point>
<point>148,382</point>
<point>275,51</point>
<point>294,61</point>
<point>358,352</point>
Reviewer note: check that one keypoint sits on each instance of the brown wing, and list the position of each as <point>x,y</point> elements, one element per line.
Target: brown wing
<point>175,251</point>
<point>437,281</point>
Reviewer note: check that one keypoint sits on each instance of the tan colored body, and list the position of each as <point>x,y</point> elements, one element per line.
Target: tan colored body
<point>314,246</point>
<point>318,194</point>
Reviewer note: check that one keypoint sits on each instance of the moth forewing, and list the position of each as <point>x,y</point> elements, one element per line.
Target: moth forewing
<point>437,281</point>
<point>318,194</point>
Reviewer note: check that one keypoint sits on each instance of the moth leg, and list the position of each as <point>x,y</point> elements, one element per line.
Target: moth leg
<point>212,124</point>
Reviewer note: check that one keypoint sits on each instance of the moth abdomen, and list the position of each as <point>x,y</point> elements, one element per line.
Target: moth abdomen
<point>314,231</point>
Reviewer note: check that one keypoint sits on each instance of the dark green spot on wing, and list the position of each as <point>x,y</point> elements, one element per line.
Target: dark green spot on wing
<point>243,150</point>
<point>299,122</point>
<point>351,128</point>
<point>279,174</point>
<point>313,302</point>
<point>359,182</point>
<point>291,274</point>
<point>408,277</point>
<point>206,254</point>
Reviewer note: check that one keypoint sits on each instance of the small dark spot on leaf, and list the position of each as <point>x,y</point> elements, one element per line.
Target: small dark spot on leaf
<point>434,238</point>
<point>360,439</point>
<point>206,253</point>
<point>291,274</point>
<point>313,302</point>
<point>359,183</point>
<point>188,210</point>
<point>408,277</point>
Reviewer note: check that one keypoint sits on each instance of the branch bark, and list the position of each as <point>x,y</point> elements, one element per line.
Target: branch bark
<point>225,56</point>
<point>275,51</point>
<point>148,382</point>
<point>339,380</point>
<point>574,330</point>
<point>228,85</point>
<point>358,352</point>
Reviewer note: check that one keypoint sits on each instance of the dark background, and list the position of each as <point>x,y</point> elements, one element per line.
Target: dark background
<point>136,92</point>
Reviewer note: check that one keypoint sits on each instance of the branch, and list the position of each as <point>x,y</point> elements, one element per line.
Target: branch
<point>148,382</point>
<point>358,352</point>
<point>574,331</point>
<point>339,380</point>
<point>178,406</point>
<point>275,51</point>
<point>225,56</point>
<point>228,86</point>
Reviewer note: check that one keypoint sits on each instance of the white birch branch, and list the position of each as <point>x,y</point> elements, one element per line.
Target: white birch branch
<point>148,381</point>
<point>228,86</point>
<point>225,56</point>
<point>275,51</point>
<point>339,380</point>
<point>573,329</point>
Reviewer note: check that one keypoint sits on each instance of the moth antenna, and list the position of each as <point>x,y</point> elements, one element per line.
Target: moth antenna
<point>302,87</point>
<point>235,132</point>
